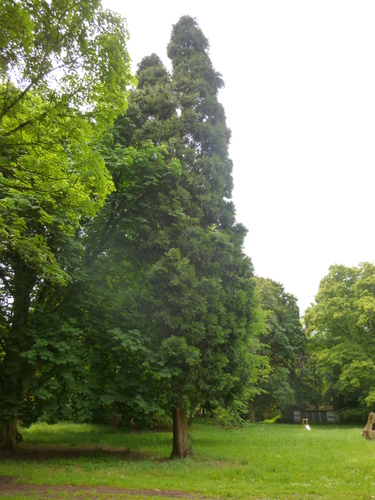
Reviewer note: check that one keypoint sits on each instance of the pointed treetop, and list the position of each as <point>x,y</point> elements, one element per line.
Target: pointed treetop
<point>187,36</point>
<point>151,70</point>
<point>188,50</point>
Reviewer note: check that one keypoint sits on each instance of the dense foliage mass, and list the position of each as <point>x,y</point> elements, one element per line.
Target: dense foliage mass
<point>191,303</point>
<point>125,292</point>
<point>64,69</point>
<point>284,346</point>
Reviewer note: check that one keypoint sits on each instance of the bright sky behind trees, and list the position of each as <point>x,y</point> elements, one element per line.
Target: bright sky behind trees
<point>299,99</point>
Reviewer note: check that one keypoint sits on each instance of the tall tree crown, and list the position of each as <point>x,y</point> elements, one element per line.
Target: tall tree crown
<point>188,50</point>
<point>186,37</point>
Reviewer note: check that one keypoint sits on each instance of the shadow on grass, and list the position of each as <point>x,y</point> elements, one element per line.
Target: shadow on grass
<point>38,453</point>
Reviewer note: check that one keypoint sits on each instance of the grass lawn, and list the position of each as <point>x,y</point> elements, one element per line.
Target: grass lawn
<point>259,461</point>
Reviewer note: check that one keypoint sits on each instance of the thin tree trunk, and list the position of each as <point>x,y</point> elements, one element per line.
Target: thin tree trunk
<point>181,441</point>
<point>252,416</point>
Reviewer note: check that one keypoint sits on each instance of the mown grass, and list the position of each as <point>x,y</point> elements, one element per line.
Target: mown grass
<point>256,462</point>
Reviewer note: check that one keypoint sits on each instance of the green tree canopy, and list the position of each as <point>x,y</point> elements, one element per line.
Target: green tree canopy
<point>63,75</point>
<point>64,70</point>
<point>283,345</point>
<point>340,326</point>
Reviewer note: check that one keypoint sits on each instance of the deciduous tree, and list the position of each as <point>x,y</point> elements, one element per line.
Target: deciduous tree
<point>340,326</point>
<point>283,345</point>
<point>64,70</point>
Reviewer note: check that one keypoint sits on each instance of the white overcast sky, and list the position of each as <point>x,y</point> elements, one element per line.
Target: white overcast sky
<point>300,100</point>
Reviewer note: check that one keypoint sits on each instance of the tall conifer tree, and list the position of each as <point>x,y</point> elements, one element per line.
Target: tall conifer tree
<point>199,310</point>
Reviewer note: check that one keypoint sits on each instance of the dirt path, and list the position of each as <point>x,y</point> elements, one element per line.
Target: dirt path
<point>10,486</point>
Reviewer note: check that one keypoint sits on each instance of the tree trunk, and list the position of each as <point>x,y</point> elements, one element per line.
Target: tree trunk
<point>14,367</point>
<point>9,435</point>
<point>252,416</point>
<point>369,431</point>
<point>181,441</point>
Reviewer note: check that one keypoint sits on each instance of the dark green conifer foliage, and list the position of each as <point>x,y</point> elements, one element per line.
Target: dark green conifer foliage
<point>198,312</point>
<point>203,130</point>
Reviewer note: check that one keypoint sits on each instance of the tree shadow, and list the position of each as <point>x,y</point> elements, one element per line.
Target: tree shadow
<point>38,453</point>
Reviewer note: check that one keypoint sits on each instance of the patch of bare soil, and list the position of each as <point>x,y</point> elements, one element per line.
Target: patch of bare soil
<point>10,486</point>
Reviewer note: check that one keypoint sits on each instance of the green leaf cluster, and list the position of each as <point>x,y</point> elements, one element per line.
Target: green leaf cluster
<point>283,343</point>
<point>340,326</point>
